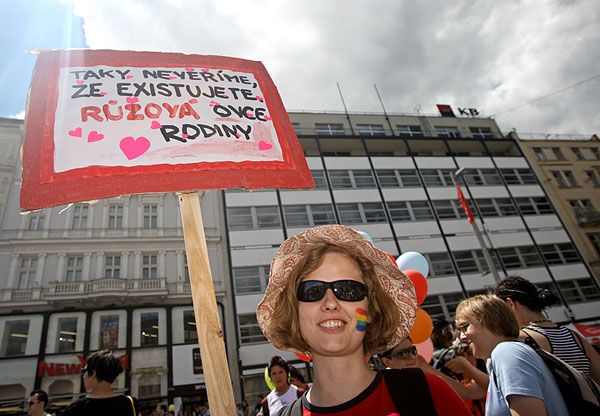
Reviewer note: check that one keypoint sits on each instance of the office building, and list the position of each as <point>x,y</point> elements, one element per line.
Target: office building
<point>111,274</point>
<point>568,167</point>
<point>114,273</point>
<point>391,176</point>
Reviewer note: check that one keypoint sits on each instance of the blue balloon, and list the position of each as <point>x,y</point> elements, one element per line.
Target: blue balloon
<point>411,260</point>
<point>365,235</point>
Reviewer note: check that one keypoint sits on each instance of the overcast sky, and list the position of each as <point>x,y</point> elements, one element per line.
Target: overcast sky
<point>489,55</point>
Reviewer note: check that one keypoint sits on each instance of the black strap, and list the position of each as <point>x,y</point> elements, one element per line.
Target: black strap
<point>410,391</point>
<point>408,388</point>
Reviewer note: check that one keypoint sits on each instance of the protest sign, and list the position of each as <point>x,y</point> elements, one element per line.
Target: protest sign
<point>107,123</point>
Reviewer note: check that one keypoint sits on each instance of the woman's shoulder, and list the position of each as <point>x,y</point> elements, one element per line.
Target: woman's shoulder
<point>514,354</point>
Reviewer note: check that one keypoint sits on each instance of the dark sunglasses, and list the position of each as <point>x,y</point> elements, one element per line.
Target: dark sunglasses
<point>346,290</point>
<point>404,353</point>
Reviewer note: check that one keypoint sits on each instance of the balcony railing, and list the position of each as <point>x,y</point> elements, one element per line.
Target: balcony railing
<point>100,288</point>
<point>587,216</point>
<point>552,136</point>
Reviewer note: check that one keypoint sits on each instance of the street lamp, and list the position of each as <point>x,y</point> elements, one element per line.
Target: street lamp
<point>471,218</point>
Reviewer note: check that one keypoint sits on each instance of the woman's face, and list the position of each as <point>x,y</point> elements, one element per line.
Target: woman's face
<point>332,327</point>
<point>481,339</point>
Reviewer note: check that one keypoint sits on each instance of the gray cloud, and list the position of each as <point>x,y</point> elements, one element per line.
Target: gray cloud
<point>485,54</point>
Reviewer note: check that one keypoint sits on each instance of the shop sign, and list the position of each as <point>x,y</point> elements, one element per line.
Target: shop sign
<point>63,369</point>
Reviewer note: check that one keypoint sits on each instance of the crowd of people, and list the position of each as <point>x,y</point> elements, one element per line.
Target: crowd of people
<point>337,299</point>
<point>333,296</point>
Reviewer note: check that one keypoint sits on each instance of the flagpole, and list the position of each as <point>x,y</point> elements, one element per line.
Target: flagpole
<point>471,218</point>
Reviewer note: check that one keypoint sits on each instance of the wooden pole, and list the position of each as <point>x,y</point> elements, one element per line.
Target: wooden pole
<point>210,335</point>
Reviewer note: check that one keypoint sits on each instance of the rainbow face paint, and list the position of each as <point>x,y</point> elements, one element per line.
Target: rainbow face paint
<point>361,319</point>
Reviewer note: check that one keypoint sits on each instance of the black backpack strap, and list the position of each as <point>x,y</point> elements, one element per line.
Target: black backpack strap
<point>410,391</point>
<point>529,339</point>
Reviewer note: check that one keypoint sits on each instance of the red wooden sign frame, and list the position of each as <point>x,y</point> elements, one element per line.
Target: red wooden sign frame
<point>43,187</point>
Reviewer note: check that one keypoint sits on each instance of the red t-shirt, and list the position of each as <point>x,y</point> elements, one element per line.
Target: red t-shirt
<point>375,400</point>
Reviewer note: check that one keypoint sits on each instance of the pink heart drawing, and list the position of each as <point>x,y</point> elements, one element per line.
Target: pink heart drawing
<point>129,77</point>
<point>75,133</point>
<point>184,135</point>
<point>133,148</point>
<point>79,81</point>
<point>193,101</point>
<point>259,98</point>
<point>262,145</point>
<point>205,69</point>
<point>213,103</point>
<point>189,68</point>
<point>238,135</point>
<point>103,93</point>
<point>94,136</point>
<point>172,77</point>
<point>132,100</point>
<point>267,118</point>
<point>155,125</point>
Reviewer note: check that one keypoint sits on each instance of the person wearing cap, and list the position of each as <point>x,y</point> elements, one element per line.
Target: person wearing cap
<point>334,296</point>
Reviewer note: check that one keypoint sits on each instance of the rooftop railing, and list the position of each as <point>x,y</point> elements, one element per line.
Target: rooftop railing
<point>557,136</point>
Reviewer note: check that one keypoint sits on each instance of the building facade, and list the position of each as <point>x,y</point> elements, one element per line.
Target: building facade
<point>569,169</point>
<point>391,175</point>
<point>113,274</point>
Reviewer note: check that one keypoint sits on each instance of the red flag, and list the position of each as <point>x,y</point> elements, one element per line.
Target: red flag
<point>465,205</point>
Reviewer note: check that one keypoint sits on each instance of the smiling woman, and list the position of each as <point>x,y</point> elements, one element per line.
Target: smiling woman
<point>335,297</point>
<point>520,383</point>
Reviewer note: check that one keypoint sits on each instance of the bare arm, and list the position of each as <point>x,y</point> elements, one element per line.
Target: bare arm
<point>471,392</point>
<point>594,359</point>
<point>526,405</point>
<point>462,366</point>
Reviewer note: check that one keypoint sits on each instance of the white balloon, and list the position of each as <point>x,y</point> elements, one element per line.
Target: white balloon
<point>365,235</point>
<point>411,260</point>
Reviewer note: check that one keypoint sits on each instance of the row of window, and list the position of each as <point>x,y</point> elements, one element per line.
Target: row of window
<point>556,153</point>
<point>442,305</point>
<point>407,178</point>
<point>108,329</point>
<point>73,270</point>
<point>254,279</point>
<point>567,179</point>
<point>309,215</point>
<point>574,291</point>
<point>406,131</point>
<point>595,240</point>
<point>80,217</point>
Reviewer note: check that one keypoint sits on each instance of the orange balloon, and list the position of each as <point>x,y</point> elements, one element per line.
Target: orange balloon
<point>422,327</point>
<point>419,282</point>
